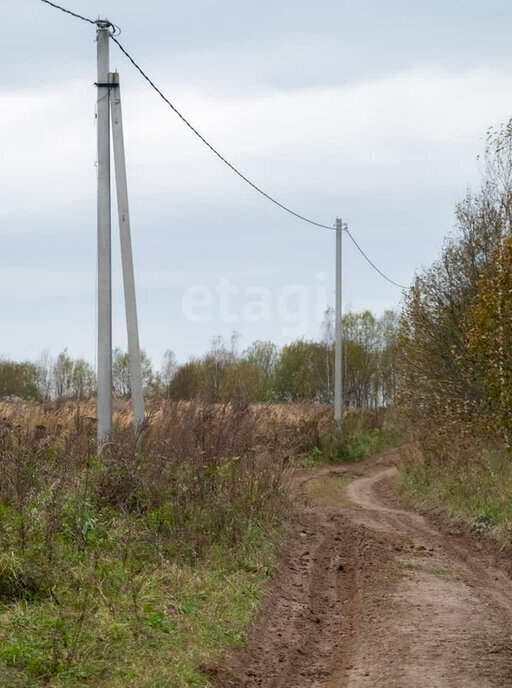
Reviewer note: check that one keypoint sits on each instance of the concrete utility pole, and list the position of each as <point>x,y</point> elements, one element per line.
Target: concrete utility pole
<point>104,394</point>
<point>130,301</point>
<point>338,381</point>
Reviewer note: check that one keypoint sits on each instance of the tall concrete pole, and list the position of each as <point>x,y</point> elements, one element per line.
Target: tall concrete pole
<point>338,381</point>
<point>104,392</point>
<point>130,301</point>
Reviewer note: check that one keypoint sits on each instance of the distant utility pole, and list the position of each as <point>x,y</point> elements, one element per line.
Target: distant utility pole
<point>338,381</point>
<point>104,392</point>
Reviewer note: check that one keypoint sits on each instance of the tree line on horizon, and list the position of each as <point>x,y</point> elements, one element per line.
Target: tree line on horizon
<point>263,372</point>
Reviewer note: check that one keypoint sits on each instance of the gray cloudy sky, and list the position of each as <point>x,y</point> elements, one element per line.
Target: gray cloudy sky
<point>373,111</point>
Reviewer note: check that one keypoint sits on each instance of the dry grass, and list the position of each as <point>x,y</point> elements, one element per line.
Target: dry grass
<point>134,566</point>
<point>331,489</point>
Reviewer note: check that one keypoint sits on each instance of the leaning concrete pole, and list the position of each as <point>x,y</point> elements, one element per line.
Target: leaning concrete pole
<point>104,391</point>
<point>130,301</point>
<point>338,381</point>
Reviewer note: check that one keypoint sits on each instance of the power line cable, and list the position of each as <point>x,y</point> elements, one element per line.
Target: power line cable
<point>388,279</point>
<point>216,152</point>
<point>240,174</point>
<point>103,22</point>
<point>189,125</point>
<point>73,14</point>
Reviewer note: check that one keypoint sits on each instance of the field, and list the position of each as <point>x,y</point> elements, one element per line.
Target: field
<point>138,565</point>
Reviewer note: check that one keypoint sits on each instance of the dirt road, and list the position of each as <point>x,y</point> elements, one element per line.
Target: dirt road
<point>370,594</point>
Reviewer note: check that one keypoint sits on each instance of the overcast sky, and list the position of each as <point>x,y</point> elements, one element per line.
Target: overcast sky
<point>373,111</point>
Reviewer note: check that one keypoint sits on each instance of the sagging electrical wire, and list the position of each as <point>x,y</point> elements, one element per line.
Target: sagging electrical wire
<point>73,14</point>
<point>214,150</point>
<point>115,31</point>
<point>388,279</point>
<point>241,175</point>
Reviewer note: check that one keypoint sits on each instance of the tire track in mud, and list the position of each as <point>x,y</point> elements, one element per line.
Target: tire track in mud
<point>368,594</point>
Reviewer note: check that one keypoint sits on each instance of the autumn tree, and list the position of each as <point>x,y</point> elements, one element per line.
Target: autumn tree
<point>244,381</point>
<point>487,359</point>
<point>300,372</point>
<point>186,383</point>
<point>18,379</point>
<point>261,357</point>
<point>442,381</point>
<point>369,354</point>
<point>121,373</point>
<point>72,378</point>
<point>167,373</point>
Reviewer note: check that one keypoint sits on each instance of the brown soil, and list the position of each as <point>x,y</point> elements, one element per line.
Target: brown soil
<point>369,594</point>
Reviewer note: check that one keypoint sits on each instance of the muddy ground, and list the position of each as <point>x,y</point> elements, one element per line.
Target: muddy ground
<point>368,593</point>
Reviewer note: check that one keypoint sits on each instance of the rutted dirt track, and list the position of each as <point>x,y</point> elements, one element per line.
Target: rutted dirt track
<point>370,594</point>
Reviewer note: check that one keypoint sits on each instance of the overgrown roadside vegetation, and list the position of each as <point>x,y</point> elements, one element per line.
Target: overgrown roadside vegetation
<point>134,567</point>
<point>365,432</point>
<point>139,566</point>
<point>456,367</point>
<point>478,492</point>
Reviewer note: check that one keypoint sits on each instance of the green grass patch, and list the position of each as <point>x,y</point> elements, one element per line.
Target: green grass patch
<point>479,491</point>
<point>394,572</point>
<point>409,566</point>
<point>390,575</point>
<point>120,612</point>
<point>363,433</point>
<point>331,489</point>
